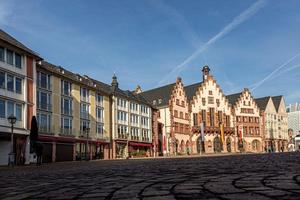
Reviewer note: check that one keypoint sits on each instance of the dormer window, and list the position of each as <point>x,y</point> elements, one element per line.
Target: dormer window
<point>154,102</point>
<point>159,101</point>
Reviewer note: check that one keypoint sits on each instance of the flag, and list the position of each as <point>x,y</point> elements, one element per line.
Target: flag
<point>241,133</point>
<point>164,144</point>
<point>222,133</point>
<point>202,132</point>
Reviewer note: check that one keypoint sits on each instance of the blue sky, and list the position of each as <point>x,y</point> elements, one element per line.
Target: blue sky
<point>247,43</point>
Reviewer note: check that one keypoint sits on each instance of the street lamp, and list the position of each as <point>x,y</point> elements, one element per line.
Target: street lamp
<point>11,156</point>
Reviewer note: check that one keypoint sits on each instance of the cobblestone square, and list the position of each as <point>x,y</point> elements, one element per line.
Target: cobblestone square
<point>255,176</point>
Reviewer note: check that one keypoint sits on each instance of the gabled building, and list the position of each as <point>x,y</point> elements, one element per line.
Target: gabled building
<point>174,132</point>
<point>246,115</point>
<point>274,123</point>
<point>210,106</point>
<point>282,118</point>
<point>17,97</point>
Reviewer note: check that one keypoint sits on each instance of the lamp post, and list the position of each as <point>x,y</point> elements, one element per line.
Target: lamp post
<point>11,156</point>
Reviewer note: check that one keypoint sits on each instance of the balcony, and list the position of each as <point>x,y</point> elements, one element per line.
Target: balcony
<point>66,112</point>
<point>145,139</point>
<point>84,99</point>
<point>123,136</point>
<point>44,106</point>
<point>66,131</point>
<point>102,137</point>
<point>46,130</point>
<point>84,115</point>
<point>44,86</point>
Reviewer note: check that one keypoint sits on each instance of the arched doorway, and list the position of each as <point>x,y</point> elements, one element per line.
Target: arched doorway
<point>159,148</point>
<point>255,145</point>
<point>182,146</point>
<point>177,146</point>
<point>200,145</point>
<point>228,144</point>
<point>188,148</point>
<point>217,145</point>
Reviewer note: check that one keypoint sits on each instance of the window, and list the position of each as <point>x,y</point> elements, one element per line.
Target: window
<point>2,80</point>
<point>175,113</point>
<point>177,102</point>
<point>2,54</point>
<point>10,83</point>
<point>195,119</point>
<point>18,85</point>
<point>66,106</point>
<point>19,112</point>
<point>99,99</point>
<point>10,57</point>
<point>134,119</point>
<point>134,106</point>
<point>44,122</point>
<point>210,100</point>
<point>66,125</point>
<point>203,101</point>
<point>144,121</point>
<point>2,108</point>
<point>181,115</point>
<point>211,116</point>
<point>43,82</point>
<point>186,116</point>
<point>203,115</point>
<point>122,103</point>
<point>84,110</point>
<point>66,88</point>
<point>18,60</point>
<point>220,116</point>
<point>99,114</point>
<point>99,128</point>
<point>10,108</point>
<point>210,92</point>
<point>182,103</point>
<point>122,116</point>
<point>83,126</point>
<point>84,94</point>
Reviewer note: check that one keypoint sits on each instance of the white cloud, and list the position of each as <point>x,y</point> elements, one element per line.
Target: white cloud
<point>259,83</point>
<point>245,15</point>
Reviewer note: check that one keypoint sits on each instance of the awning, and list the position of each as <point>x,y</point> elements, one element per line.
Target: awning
<point>139,144</point>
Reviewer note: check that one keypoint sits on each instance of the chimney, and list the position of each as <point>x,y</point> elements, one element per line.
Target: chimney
<point>205,72</point>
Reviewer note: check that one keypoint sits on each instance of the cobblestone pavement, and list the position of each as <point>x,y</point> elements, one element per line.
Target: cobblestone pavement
<point>262,176</point>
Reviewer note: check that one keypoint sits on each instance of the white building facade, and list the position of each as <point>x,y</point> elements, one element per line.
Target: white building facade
<point>17,97</point>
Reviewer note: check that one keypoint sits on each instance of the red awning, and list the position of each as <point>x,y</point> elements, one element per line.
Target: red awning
<point>139,144</point>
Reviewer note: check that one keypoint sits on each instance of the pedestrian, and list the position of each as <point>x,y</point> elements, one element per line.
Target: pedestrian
<point>39,153</point>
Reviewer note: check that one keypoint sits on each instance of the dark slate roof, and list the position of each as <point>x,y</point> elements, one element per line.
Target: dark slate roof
<point>163,93</point>
<point>190,90</point>
<point>232,98</point>
<point>276,101</point>
<point>262,102</point>
<point>92,83</point>
<point>11,40</point>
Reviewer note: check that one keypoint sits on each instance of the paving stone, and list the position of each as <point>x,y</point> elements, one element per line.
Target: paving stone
<point>256,176</point>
